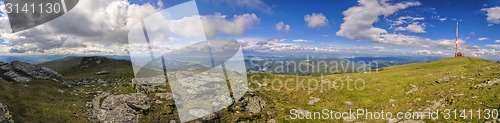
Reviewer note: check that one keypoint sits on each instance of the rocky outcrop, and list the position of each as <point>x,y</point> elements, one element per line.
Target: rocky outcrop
<point>24,72</point>
<point>255,104</point>
<point>118,108</point>
<point>5,116</point>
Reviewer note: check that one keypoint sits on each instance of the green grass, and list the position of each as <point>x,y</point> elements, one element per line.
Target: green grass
<point>392,83</point>
<point>40,101</point>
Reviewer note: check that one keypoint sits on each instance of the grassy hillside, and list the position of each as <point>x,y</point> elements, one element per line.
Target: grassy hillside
<point>42,101</point>
<point>87,66</point>
<point>389,89</point>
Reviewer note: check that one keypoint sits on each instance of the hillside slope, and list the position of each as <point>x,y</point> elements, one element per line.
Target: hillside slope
<point>450,83</point>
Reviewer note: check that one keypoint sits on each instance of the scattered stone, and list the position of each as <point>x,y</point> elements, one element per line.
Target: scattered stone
<point>103,72</point>
<point>348,102</point>
<point>255,104</point>
<point>445,79</point>
<point>262,85</point>
<point>101,81</point>
<point>165,96</point>
<point>5,116</point>
<point>313,100</point>
<point>158,102</point>
<point>415,88</point>
<point>148,85</point>
<point>392,100</point>
<point>271,121</point>
<point>487,83</point>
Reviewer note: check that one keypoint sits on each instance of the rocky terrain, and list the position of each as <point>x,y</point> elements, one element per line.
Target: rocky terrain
<point>101,92</point>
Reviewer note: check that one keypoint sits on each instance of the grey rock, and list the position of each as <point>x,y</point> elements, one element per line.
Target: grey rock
<point>13,76</point>
<point>25,72</point>
<point>313,100</point>
<point>148,85</point>
<point>255,104</point>
<point>198,112</point>
<point>165,96</point>
<point>137,101</point>
<point>487,83</point>
<point>348,102</point>
<point>415,88</point>
<point>103,72</point>
<point>5,116</point>
<point>271,121</point>
<point>118,108</point>
<point>445,79</point>
<point>210,117</point>
<point>120,114</point>
<point>3,63</point>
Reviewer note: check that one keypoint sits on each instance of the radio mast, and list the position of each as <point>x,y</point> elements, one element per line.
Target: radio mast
<point>456,42</point>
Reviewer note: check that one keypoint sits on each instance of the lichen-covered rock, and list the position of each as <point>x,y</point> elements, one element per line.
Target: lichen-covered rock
<point>5,116</point>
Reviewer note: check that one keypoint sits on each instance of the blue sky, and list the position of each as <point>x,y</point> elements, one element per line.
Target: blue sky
<point>439,18</point>
<point>426,27</point>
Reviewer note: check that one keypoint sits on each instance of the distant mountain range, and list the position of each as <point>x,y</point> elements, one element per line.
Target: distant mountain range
<point>380,62</point>
<point>255,62</point>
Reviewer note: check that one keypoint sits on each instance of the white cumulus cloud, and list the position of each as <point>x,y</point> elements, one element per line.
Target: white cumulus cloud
<point>493,14</point>
<point>101,26</point>
<point>281,26</point>
<point>316,20</point>
<point>413,27</point>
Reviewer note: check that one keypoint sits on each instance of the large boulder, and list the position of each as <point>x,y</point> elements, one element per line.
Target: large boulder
<point>118,108</point>
<point>24,72</point>
<point>5,116</point>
